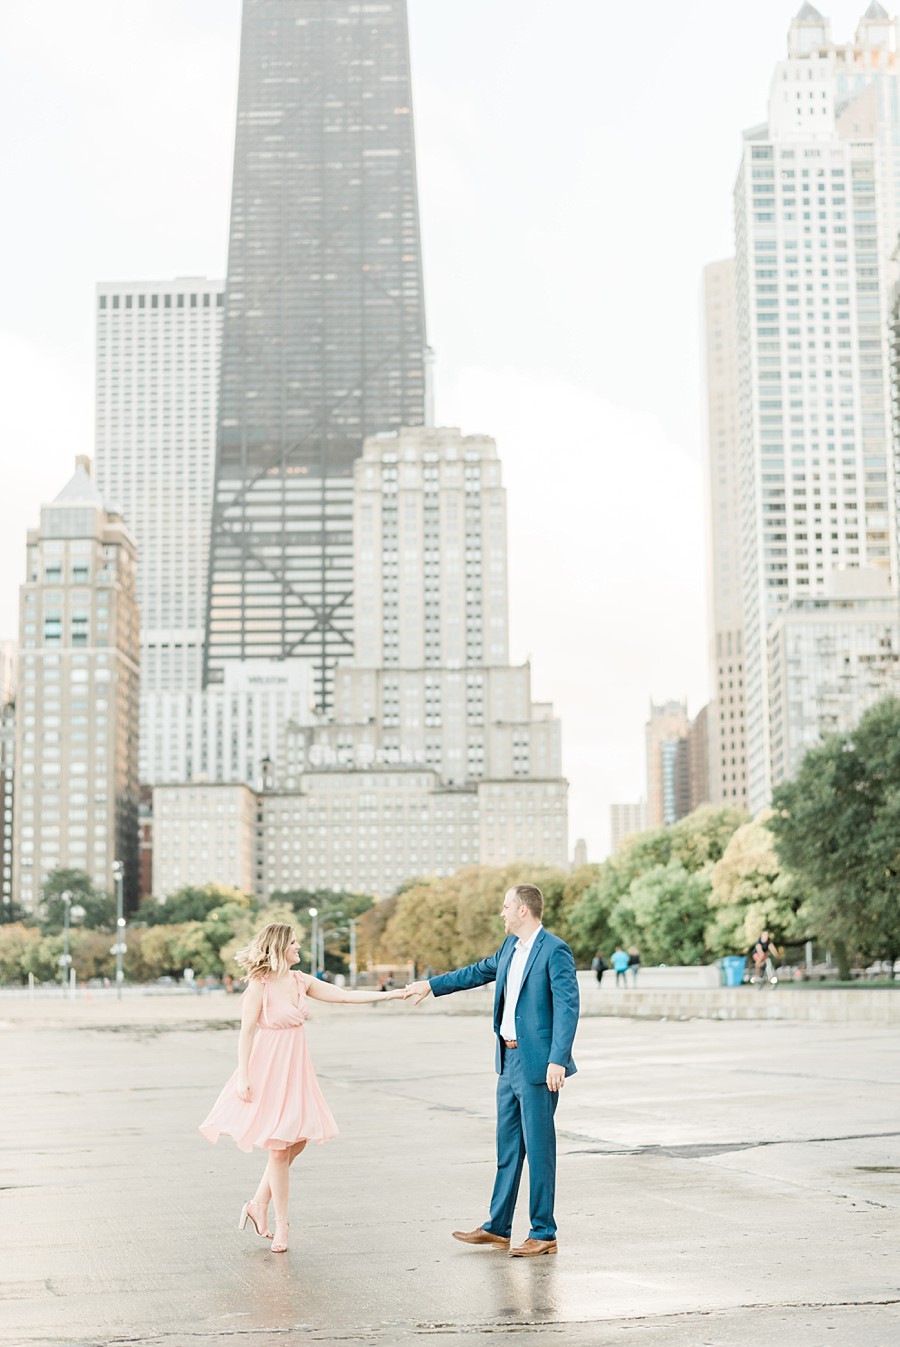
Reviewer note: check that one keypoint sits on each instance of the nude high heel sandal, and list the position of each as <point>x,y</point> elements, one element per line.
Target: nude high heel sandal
<point>247,1215</point>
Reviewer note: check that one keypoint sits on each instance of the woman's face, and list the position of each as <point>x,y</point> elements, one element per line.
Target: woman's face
<point>293,951</point>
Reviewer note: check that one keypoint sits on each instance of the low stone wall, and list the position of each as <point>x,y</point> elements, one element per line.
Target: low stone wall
<point>714,1003</point>
<point>702,1003</point>
<point>745,1003</point>
<point>674,976</point>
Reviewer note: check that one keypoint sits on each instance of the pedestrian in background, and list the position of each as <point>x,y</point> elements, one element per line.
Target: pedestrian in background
<point>620,962</point>
<point>599,966</point>
<point>634,964</point>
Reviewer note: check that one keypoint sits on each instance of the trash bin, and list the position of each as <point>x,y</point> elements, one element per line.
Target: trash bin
<point>733,970</point>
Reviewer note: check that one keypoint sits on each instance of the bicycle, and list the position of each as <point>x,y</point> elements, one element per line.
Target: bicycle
<point>765,974</point>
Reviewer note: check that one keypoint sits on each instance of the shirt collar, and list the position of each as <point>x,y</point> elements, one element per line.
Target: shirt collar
<point>527,944</point>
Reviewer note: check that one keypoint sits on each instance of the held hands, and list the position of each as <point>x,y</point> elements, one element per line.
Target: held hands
<point>417,990</point>
<point>556,1077</point>
<point>243,1089</point>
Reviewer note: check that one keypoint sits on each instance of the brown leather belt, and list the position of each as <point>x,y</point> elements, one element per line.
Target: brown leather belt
<point>510,1043</point>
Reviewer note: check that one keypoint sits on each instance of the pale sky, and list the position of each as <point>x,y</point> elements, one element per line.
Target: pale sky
<point>576,161</point>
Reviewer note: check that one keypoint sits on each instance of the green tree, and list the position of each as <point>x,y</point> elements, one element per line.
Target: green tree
<point>371,928</point>
<point>693,846</point>
<point>192,903</point>
<point>99,908</point>
<point>12,912</point>
<point>589,920</point>
<point>837,828</point>
<point>91,957</point>
<point>665,913</point>
<point>752,892</point>
<point>423,928</point>
<point>152,953</point>
<point>326,901</point>
<point>455,920</point>
<point>19,945</point>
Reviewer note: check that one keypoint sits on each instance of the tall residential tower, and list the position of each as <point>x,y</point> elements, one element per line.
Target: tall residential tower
<point>817,206</point>
<point>77,701</point>
<point>158,346</point>
<point>727,720</point>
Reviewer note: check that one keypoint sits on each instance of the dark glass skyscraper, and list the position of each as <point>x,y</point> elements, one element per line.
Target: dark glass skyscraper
<point>324,328</point>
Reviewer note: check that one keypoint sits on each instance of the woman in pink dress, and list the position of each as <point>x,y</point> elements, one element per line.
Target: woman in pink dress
<point>273,1100</point>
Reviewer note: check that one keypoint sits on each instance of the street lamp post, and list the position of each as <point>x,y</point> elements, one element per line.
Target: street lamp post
<point>353,969</point>
<point>323,932</point>
<point>332,916</point>
<point>65,959</point>
<point>314,942</point>
<point>71,912</point>
<point>119,947</point>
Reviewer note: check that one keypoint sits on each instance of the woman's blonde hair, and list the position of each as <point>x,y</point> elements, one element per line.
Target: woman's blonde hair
<point>267,951</point>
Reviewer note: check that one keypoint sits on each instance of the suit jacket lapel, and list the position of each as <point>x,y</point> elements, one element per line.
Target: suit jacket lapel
<point>531,957</point>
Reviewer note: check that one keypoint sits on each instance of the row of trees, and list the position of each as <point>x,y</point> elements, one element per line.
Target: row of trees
<point>822,863</point>
<point>198,927</point>
<point>685,894</point>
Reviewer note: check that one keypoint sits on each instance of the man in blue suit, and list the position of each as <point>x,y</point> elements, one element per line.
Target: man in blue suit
<point>535,1018</point>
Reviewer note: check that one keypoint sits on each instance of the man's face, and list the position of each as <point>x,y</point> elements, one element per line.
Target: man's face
<point>514,914</point>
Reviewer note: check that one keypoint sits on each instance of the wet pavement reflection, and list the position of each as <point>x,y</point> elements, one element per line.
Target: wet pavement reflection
<point>118,1222</point>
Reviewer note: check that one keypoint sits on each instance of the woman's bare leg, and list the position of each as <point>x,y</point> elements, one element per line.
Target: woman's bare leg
<point>263,1194</point>
<point>279,1176</point>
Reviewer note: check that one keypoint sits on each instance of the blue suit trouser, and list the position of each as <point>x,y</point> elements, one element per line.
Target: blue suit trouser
<point>525,1127</point>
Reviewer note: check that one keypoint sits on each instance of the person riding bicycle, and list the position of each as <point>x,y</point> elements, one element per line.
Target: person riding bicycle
<point>762,955</point>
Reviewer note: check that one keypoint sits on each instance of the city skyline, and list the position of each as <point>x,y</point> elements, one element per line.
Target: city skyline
<point>633,624</point>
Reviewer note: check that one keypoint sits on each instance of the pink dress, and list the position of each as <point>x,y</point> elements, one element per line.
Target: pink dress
<point>287,1104</point>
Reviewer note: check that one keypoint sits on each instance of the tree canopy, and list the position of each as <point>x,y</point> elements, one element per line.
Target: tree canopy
<point>837,828</point>
<point>97,909</point>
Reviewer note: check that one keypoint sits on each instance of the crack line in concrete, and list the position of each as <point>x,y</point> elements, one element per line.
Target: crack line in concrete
<point>703,1150</point>
<point>373,1333</point>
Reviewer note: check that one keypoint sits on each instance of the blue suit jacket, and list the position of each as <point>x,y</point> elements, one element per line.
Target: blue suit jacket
<point>547,1008</point>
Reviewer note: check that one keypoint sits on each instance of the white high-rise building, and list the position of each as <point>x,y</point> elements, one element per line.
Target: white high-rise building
<point>624,821</point>
<point>727,721</point>
<point>158,348</point>
<point>226,732</point>
<point>828,663</point>
<point>817,205</point>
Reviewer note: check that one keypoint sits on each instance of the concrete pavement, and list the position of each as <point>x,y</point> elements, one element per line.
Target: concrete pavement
<point>718,1182</point>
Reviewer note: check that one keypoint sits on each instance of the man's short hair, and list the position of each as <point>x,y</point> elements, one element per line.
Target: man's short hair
<point>530,896</point>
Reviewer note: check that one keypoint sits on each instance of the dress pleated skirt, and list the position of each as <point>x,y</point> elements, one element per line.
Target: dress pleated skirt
<point>287,1105</point>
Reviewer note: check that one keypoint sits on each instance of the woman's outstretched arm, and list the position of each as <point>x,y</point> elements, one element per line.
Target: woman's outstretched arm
<point>251,1002</point>
<point>326,991</point>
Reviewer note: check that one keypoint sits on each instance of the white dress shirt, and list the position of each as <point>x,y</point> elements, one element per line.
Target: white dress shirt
<point>514,984</point>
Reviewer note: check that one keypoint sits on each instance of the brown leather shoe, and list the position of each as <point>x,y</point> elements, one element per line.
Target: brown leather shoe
<point>480,1236</point>
<point>533,1248</point>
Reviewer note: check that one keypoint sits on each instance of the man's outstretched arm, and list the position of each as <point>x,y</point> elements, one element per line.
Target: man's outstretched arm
<point>475,975</point>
